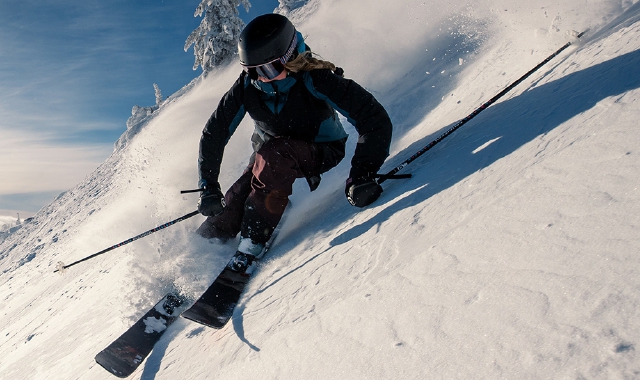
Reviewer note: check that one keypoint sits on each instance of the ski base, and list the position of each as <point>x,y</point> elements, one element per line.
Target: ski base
<point>125,354</point>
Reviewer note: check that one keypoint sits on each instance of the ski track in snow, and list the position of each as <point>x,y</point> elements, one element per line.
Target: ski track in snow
<point>511,253</point>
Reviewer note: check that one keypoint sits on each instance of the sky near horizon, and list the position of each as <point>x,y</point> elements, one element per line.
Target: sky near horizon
<point>69,75</point>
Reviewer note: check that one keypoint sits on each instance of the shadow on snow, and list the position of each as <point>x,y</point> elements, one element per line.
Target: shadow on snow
<point>510,125</point>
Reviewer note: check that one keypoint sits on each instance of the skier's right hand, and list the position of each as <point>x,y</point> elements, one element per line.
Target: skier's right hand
<point>211,200</point>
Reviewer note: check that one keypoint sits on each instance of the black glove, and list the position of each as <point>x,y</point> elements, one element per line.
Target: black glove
<point>362,191</point>
<point>211,200</point>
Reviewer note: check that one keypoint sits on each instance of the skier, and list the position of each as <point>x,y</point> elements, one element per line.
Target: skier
<point>292,98</point>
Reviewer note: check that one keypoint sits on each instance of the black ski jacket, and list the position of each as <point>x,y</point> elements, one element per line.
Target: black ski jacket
<point>302,106</point>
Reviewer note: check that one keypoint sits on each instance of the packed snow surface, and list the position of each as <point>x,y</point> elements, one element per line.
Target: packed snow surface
<point>512,253</point>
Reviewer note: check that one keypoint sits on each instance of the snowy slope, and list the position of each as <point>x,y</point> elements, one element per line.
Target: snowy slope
<point>511,253</point>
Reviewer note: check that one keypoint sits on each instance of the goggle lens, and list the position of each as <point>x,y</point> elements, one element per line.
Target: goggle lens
<point>269,70</point>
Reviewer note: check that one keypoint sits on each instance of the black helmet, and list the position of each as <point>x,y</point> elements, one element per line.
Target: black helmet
<point>265,39</point>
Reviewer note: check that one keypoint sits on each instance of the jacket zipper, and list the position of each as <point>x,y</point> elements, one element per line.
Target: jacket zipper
<point>275,110</point>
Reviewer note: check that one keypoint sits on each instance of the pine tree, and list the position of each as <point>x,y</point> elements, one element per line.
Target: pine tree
<point>215,39</point>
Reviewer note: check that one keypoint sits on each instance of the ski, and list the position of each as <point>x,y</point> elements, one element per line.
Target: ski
<point>215,307</point>
<point>125,354</point>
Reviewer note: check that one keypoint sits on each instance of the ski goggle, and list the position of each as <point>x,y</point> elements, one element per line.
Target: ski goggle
<point>271,70</point>
<point>268,70</point>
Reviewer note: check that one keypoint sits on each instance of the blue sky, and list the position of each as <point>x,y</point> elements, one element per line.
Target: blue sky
<point>70,72</point>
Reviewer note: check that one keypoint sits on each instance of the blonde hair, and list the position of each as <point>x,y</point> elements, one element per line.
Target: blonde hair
<point>307,62</point>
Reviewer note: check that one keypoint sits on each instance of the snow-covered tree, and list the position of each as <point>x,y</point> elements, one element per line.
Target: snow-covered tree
<point>215,40</point>
<point>158,93</point>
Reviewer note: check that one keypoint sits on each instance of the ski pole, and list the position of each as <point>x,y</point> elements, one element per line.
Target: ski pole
<point>61,266</point>
<point>192,191</point>
<point>474,113</point>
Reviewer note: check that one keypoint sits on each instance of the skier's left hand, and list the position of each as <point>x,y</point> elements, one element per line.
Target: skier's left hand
<point>362,191</point>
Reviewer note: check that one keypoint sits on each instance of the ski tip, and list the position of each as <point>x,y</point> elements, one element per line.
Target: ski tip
<point>214,324</point>
<point>105,360</point>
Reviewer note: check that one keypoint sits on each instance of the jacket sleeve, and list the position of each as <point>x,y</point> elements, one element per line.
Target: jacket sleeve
<point>218,130</point>
<point>362,110</point>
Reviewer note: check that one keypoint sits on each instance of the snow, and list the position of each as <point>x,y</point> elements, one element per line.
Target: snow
<point>511,253</point>
<point>153,324</point>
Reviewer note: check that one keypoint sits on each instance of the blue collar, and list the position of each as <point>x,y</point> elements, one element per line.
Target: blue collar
<point>272,88</point>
